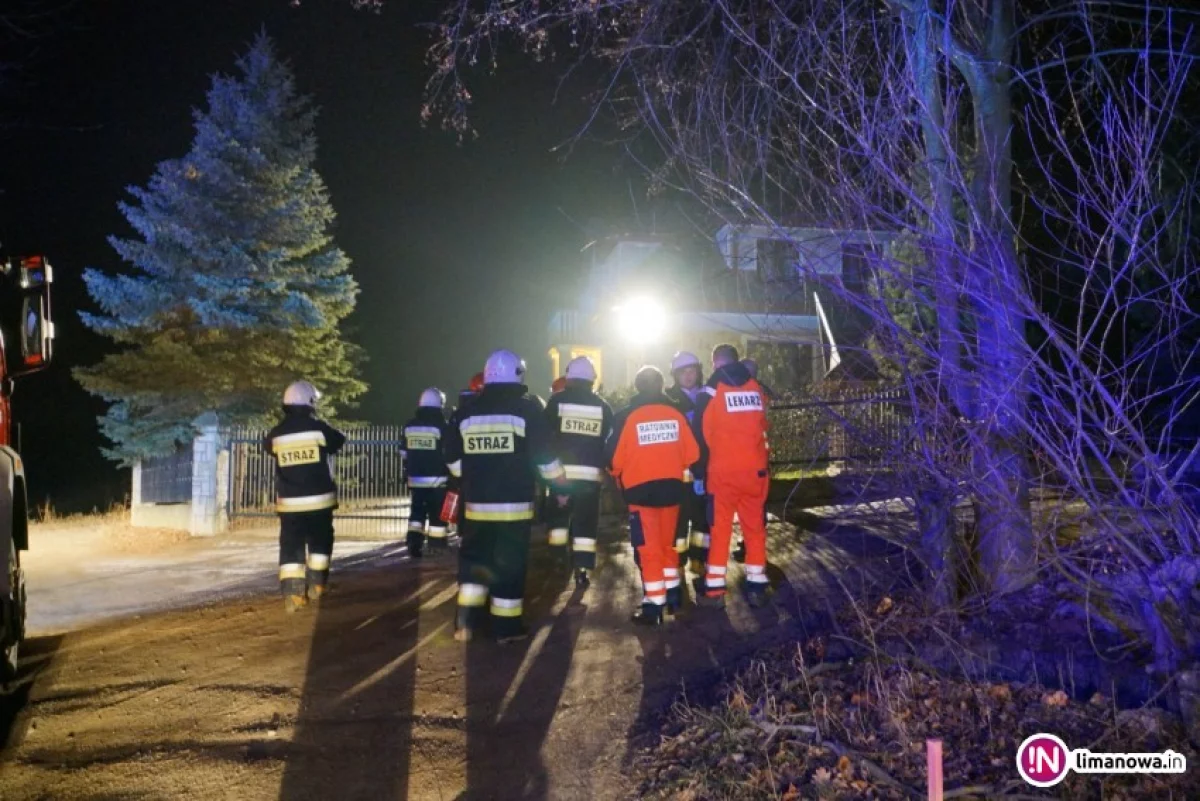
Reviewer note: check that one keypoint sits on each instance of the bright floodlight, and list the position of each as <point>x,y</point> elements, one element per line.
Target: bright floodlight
<point>641,320</point>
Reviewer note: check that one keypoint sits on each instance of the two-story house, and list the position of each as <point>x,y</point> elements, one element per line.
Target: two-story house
<point>778,294</point>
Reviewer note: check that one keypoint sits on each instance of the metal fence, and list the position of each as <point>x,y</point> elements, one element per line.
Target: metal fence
<point>168,479</point>
<point>868,425</point>
<point>368,471</point>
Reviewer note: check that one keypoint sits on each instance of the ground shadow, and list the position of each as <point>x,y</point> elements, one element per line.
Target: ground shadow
<point>513,690</point>
<point>354,732</point>
<point>37,657</point>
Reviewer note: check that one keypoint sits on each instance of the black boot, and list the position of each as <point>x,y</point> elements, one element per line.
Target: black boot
<point>582,580</point>
<point>416,544</point>
<point>649,615</point>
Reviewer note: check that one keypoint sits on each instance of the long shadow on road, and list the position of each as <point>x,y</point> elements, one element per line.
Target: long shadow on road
<point>354,733</point>
<point>513,691</point>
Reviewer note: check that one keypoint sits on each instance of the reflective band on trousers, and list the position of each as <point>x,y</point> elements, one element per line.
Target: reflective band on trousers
<point>472,594</point>
<point>657,600</point>
<point>585,545</point>
<point>558,536</point>
<point>716,570</point>
<point>671,575</point>
<point>756,574</point>
<point>417,526</point>
<point>425,482</point>
<point>499,512</point>
<point>582,472</point>
<point>506,607</point>
<point>292,570</point>
<point>306,503</point>
<point>318,561</point>
<point>655,586</point>
<point>455,468</point>
<point>700,540</point>
<point>711,582</point>
<point>437,533</point>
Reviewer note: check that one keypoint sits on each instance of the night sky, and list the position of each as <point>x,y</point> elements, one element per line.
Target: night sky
<point>458,250</point>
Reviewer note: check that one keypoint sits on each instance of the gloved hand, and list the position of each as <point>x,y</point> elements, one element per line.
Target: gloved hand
<point>698,486</point>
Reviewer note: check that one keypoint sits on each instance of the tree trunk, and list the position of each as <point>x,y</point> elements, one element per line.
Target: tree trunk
<point>1002,473</point>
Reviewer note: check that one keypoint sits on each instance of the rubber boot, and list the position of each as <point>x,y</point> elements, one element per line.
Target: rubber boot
<point>582,580</point>
<point>650,615</point>
<point>706,600</point>
<point>416,545</point>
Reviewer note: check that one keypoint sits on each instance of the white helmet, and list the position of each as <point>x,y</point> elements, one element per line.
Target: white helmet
<point>301,393</point>
<point>684,359</point>
<point>504,367</point>
<point>432,398</point>
<point>581,368</point>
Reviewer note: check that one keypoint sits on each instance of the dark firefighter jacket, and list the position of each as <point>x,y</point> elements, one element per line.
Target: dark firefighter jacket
<point>302,447</point>
<point>499,447</point>
<point>424,443</point>
<point>651,451</point>
<point>580,422</point>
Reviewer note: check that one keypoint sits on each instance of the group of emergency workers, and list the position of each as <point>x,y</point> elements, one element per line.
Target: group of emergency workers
<point>688,461</point>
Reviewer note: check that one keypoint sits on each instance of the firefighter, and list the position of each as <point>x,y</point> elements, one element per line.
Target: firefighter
<point>424,438</point>
<point>580,422</point>
<point>695,508</point>
<point>650,454</point>
<point>306,494</point>
<point>499,448</point>
<point>731,426</point>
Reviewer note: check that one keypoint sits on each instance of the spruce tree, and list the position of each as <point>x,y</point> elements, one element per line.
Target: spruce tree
<point>236,287</point>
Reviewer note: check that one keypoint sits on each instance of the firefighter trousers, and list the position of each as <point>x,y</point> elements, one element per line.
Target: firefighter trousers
<point>652,534</point>
<point>425,519</point>
<point>695,514</point>
<point>576,523</point>
<point>743,494</point>
<point>492,560</point>
<point>305,546</point>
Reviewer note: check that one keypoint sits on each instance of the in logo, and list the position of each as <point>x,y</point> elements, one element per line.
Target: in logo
<point>422,442</point>
<point>299,455</point>
<point>1043,760</point>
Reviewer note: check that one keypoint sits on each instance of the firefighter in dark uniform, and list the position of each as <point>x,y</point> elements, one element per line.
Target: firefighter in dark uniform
<point>424,439</point>
<point>465,398</point>
<point>580,422</point>
<point>306,495</point>
<point>691,534</point>
<point>499,447</point>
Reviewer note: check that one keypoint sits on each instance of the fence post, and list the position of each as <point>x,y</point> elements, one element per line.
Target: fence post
<point>208,516</point>
<point>135,493</point>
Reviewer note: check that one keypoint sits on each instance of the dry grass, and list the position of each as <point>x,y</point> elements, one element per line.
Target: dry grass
<point>47,515</point>
<point>792,725</point>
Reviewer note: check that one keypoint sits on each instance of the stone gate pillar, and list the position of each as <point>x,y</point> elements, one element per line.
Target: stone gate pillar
<point>210,478</point>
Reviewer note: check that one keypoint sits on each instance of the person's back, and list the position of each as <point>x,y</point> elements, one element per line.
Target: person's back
<point>428,476</point>
<point>303,447</point>
<point>731,424</point>
<point>651,452</point>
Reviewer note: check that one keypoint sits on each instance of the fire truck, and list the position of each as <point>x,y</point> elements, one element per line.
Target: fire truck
<point>26,339</point>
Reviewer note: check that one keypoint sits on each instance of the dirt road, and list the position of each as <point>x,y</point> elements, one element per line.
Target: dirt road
<point>368,696</point>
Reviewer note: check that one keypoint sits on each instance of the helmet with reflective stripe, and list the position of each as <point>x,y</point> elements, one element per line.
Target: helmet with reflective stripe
<point>433,398</point>
<point>684,359</point>
<point>581,368</point>
<point>504,367</point>
<point>301,393</point>
<point>476,384</point>
<point>559,384</point>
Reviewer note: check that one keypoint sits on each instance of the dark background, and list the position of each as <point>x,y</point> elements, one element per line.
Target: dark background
<point>458,249</point>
